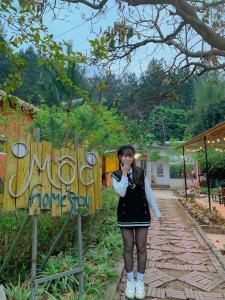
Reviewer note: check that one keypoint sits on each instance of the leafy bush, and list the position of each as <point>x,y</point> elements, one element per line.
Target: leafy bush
<point>102,246</point>
<point>58,264</point>
<point>17,292</point>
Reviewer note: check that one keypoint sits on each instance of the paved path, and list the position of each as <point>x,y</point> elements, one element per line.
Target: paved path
<point>180,265</point>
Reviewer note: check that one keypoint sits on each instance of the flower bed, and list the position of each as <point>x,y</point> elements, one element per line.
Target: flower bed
<point>201,214</point>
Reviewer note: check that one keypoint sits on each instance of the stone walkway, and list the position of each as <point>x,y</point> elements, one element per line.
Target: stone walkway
<point>180,265</point>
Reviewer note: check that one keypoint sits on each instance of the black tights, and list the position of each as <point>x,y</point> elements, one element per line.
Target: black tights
<point>140,241</point>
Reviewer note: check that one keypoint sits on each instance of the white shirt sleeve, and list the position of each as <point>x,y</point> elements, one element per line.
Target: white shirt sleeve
<point>120,186</point>
<point>151,198</point>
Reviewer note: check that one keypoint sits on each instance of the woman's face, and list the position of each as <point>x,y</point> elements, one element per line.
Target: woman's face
<point>127,157</point>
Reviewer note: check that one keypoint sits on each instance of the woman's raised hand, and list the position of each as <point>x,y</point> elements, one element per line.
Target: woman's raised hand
<point>125,168</point>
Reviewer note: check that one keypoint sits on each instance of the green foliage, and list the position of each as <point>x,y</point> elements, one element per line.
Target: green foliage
<point>41,82</point>
<point>136,97</point>
<point>58,264</point>
<point>27,26</point>
<point>176,171</point>
<point>96,127</point>
<point>2,148</point>
<point>52,123</point>
<point>17,292</point>
<point>155,155</point>
<point>102,247</point>
<point>216,164</point>
<point>138,133</point>
<point>167,123</point>
<point>100,50</point>
<point>209,106</point>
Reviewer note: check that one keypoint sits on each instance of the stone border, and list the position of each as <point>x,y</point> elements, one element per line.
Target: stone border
<point>211,246</point>
<point>213,229</point>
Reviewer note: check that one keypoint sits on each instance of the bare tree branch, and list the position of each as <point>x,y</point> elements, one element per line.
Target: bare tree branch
<point>213,4</point>
<point>90,4</point>
<point>183,9</point>
<point>193,29</point>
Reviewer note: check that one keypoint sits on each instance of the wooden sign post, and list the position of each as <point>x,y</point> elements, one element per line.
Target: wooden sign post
<point>39,179</point>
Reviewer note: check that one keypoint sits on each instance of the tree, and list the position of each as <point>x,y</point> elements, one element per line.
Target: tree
<point>194,30</point>
<point>25,20</point>
<point>152,85</point>
<point>106,89</point>
<point>183,95</point>
<point>42,82</point>
<point>30,77</point>
<point>216,162</point>
<point>136,96</point>
<point>96,127</point>
<point>209,107</point>
<point>167,123</point>
<point>139,134</point>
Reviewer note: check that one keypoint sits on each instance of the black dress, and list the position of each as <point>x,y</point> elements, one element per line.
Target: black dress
<point>133,209</point>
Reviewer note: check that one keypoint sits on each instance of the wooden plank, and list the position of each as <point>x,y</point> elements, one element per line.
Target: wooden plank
<point>65,173</point>
<point>75,184</point>
<point>56,209</point>
<point>9,202</point>
<point>23,174</point>
<point>98,182</point>
<point>91,188</point>
<point>36,150</point>
<point>46,184</point>
<point>42,151</point>
<point>81,162</point>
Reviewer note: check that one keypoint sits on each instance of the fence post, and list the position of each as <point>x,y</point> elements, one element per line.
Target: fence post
<point>34,239</point>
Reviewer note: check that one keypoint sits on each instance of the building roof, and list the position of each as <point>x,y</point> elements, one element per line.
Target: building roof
<point>23,104</point>
<point>214,135</point>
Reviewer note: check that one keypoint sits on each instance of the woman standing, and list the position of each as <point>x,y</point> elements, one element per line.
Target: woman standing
<point>133,216</point>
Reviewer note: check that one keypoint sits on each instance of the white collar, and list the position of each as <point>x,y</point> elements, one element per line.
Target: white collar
<point>130,170</point>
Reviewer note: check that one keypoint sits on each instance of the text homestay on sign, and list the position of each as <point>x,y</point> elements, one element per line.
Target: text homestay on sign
<point>39,177</point>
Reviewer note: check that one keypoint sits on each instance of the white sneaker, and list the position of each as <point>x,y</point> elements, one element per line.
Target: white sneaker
<point>140,289</point>
<point>130,289</point>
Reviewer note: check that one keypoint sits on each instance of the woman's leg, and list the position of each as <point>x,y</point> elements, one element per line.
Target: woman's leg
<point>141,241</point>
<point>128,240</point>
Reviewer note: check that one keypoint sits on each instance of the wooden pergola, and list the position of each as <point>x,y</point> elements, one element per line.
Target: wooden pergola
<point>213,138</point>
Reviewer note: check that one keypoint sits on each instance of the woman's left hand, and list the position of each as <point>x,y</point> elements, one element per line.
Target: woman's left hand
<point>160,220</point>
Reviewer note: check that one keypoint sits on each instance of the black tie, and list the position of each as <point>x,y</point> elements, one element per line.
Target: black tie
<point>129,177</point>
<point>131,181</point>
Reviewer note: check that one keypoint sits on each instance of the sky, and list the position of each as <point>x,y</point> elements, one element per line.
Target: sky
<point>70,25</point>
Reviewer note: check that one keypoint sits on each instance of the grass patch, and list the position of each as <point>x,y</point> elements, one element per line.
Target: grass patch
<point>102,249</point>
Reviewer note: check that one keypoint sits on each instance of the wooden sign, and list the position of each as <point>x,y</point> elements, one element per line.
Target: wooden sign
<point>39,177</point>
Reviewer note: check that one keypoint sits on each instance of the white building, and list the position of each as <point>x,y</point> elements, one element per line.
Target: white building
<point>165,168</point>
